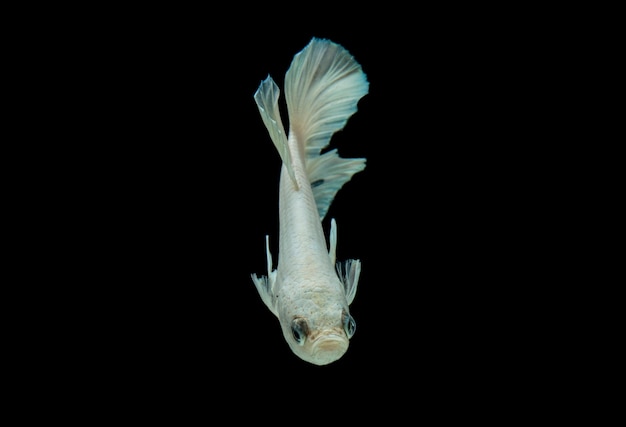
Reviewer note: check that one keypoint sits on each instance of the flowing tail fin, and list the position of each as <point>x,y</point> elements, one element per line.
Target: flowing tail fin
<point>322,87</point>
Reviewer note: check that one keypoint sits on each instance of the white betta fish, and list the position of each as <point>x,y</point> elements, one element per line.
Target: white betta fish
<point>308,292</point>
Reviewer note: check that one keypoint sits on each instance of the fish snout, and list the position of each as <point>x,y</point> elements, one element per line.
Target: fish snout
<point>328,348</point>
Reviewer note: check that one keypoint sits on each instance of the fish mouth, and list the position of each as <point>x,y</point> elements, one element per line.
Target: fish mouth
<point>328,347</point>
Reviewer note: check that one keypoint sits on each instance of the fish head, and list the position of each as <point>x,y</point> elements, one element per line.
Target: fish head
<point>320,340</point>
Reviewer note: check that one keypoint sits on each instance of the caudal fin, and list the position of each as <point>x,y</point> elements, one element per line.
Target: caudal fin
<point>322,87</point>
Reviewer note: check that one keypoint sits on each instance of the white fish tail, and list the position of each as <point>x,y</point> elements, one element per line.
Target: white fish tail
<point>322,88</point>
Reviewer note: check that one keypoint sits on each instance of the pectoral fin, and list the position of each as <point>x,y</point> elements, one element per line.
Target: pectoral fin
<point>349,273</point>
<point>265,284</point>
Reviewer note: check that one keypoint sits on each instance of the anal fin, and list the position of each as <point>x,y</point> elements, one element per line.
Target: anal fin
<point>327,174</point>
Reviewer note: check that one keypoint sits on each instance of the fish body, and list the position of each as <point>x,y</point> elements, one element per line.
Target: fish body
<point>309,291</point>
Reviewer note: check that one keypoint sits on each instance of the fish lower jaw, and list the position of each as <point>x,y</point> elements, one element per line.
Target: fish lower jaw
<point>328,348</point>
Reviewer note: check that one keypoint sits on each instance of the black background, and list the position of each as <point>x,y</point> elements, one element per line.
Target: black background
<point>177,186</point>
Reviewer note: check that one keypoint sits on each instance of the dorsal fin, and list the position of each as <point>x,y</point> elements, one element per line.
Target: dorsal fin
<point>266,98</point>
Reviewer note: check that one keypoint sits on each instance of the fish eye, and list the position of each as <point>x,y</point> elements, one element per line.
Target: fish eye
<point>349,325</point>
<point>299,330</point>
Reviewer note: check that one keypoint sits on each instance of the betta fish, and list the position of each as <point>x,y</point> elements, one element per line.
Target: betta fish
<point>309,292</point>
